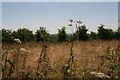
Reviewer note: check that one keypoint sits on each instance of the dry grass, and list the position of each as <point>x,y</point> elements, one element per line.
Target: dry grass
<point>87,58</point>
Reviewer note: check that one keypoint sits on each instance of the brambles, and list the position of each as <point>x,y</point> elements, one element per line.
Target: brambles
<point>67,71</point>
<point>96,75</point>
<point>43,63</point>
<point>9,65</point>
<point>111,61</point>
<point>84,59</point>
<point>69,68</point>
<point>26,74</point>
<point>11,59</point>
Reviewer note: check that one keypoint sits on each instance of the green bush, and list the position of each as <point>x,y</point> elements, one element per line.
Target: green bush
<point>7,36</point>
<point>93,35</point>
<point>42,35</point>
<point>62,34</point>
<point>117,33</point>
<point>81,33</point>
<point>0,36</point>
<point>106,34</point>
<point>23,34</point>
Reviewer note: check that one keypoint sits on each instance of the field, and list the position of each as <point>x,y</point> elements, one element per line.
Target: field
<point>53,60</point>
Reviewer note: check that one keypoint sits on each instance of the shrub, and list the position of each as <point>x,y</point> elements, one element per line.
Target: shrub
<point>105,34</point>
<point>62,34</point>
<point>81,33</point>
<point>6,36</point>
<point>0,36</point>
<point>117,33</point>
<point>23,34</point>
<point>42,35</point>
<point>93,35</point>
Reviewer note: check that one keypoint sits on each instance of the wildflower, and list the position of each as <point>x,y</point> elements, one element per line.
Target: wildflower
<point>18,41</point>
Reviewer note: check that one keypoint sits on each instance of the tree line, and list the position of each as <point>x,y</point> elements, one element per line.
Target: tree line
<point>42,34</point>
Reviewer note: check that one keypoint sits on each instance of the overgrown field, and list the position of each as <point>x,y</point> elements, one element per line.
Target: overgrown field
<point>53,60</point>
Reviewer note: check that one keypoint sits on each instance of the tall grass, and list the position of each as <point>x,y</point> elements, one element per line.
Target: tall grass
<point>110,61</point>
<point>106,60</point>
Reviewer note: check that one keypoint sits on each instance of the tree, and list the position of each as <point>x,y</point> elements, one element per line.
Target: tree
<point>0,36</point>
<point>81,33</point>
<point>42,35</point>
<point>117,34</point>
<point>105,34</point>
<point>23,34</point>
<point>62,34</point>
<point>7,36</point>
<point>111,34</point>
<point>93,35</point>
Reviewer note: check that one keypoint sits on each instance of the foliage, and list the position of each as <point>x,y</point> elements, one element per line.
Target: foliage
<point>0,36</point>
<point>23,34</point>
<point>62,34</point>
<point>6,36</point>
<point>105,34</point>
<point>53,37</point>
<point>109,56</point>
<point>42,35</point>
<point>117,33</point>
<point>81,33</point>
<point>113,58</point>
<point>93,35</point>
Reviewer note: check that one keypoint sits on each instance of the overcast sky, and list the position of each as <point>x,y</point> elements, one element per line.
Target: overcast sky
<point>54,15</point>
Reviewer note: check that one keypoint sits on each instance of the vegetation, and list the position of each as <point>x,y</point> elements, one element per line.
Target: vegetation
<point>6,36</point>
<point>81,33</point>
<point>72,58</point>
<point>23,34</point>
<point>55,61</point>
<point>42,35</point>
<point>62,34</point>
<point>93,35</point>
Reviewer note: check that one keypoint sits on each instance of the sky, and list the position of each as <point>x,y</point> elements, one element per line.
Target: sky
<point>59,0</point>
<point>54,15</point>
<point>119,13</point>
<point>0,14</point>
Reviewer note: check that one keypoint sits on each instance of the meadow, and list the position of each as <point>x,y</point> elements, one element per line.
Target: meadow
<point>53,60</point>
